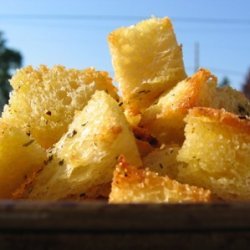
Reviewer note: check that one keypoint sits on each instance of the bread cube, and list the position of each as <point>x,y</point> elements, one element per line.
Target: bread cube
<point>44,100</point>
<point>165,119</point>
<point>86,155</point>
<point>138,185</point>
<point>216,152</point>
<point>20,156</point>
<point>147,61</point>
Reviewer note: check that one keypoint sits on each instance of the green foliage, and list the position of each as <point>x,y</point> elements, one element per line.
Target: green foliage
<point>10,60</point>
<point>246,85</point>
<point>224,82</point>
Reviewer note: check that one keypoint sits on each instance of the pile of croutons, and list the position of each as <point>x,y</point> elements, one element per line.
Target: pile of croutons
<point>66,134</point>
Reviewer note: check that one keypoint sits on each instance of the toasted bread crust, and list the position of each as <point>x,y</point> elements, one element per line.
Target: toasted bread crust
<point>165,119</point>
<point>239,123</point>
<point>192,96</point>
<point>133,184</point>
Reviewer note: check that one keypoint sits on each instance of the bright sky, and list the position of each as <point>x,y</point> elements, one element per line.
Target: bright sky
<point>79,37</point>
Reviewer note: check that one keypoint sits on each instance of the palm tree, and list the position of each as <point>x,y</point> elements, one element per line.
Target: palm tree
<point>9,61</point>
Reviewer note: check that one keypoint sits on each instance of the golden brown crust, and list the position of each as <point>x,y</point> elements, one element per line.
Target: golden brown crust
<point>136,184</point>
<point>237,122</point>
<point>194,84</point>
<point>165,119</point>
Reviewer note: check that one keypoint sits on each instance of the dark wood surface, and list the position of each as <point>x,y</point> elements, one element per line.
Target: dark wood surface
<point>97,225</point>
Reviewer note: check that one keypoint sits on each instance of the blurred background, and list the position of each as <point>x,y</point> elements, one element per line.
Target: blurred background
<point>214,34</point>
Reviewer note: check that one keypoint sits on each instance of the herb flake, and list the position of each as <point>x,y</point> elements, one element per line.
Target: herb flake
<point>28,143</point>
<point>61,162</point>
<point>73,133</point>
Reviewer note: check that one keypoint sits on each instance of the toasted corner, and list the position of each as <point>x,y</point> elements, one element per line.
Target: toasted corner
<point>138,185</point>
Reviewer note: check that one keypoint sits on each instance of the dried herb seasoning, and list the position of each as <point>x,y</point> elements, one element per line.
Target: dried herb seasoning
<point>28,143</point>
<point>50,158</point>
<point>84,124</point>
<point>61,162</point>
<point>73,133</point>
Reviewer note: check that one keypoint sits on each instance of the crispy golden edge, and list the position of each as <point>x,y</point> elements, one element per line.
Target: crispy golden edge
<point>126,175</point>
<point>113,36</point>
<point>190,99</point>
<point>240,124</point>
<point>41,71</point>
<point>193,89</point>
<point>194,85</point>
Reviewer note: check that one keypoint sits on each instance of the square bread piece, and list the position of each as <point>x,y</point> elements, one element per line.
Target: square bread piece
<point>20,155</point>
<point>86,155</point>
<point>138,185</point>
<point>44,100</point>
<point>165,119</point>
<point>216,152</point>
<point>147,61</point>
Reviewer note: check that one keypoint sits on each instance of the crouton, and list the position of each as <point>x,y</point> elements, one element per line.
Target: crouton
<point>165,119</point>
<point>86,155</point>
<point>233,101</point>
<point>147,61</point>
<point>216,152</point>
<point>20,155</point>
<point>134,185</point>
<point>44,100</point>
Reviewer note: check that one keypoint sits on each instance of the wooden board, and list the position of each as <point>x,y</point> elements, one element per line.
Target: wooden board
<point>97,225</point>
